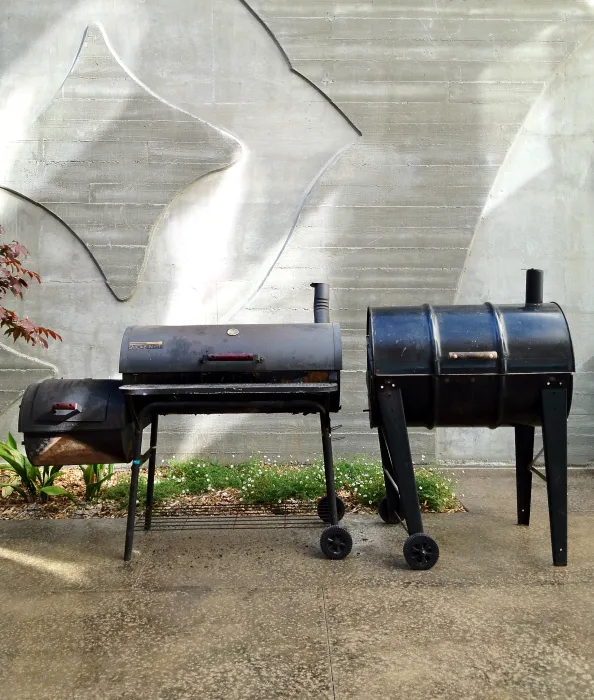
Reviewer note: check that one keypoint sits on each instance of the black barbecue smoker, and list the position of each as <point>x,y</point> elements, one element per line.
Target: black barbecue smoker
<point>464,366</point>
<point>216,369</point>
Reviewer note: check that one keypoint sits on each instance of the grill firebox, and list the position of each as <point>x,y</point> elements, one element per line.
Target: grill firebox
<point>486,366</point>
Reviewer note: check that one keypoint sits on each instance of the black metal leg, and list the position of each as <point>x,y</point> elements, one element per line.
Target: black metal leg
<point>136,462</point>
<point>329,466</point>
<point>524,435</point>
<point>396,434</point>
<point>554,434</point>
<point>392,496</point>
<point>150,486</point>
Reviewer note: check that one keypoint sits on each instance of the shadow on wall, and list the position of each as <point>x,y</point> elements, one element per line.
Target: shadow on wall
<point>90,163</point>
<point>539,214</point>
<point>391,223</point>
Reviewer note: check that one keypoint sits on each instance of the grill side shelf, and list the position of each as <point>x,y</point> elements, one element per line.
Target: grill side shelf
<point>209,389</point>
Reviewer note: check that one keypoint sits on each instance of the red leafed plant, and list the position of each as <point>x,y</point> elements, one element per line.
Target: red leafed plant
<point>15,278</point>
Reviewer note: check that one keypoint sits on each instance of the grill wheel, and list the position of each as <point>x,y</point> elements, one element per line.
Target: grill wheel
<point>336,542</point>
<point>324,509</point>
<point>420,551</point>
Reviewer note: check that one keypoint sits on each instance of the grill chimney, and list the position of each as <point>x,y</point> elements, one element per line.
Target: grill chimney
<point>321,302</point>
<point>534,285</point>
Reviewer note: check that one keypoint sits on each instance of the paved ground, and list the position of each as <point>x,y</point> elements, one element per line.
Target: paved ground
<point>260,614</point>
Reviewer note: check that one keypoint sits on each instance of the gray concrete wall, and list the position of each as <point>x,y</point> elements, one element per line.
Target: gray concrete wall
<point>201,162</point>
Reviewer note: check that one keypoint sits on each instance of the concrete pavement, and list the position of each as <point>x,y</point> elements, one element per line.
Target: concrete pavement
<point>254,614</point>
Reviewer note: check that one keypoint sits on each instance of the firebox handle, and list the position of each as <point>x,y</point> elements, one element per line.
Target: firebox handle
<point>65,408</point>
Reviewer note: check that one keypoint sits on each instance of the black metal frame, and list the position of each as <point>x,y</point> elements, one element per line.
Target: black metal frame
<point>400,480</point>
<point>399,475</point>
<point>554,435</point>
<point>153,409</point>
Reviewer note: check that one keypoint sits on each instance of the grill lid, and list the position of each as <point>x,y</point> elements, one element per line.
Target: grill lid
<point>483,339</point>
<point>233,349</point>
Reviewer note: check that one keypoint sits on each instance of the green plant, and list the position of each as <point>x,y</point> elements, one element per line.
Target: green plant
<point>359,478</point>
<point>95,475</point>
<point>28,481</point>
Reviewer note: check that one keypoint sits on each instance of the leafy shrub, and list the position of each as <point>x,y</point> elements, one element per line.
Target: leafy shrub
<point>15,278</point>
<point>32,483</point>
<point>95,475</point>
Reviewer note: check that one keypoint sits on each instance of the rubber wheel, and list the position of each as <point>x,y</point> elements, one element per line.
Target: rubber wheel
<point>390,517</point>
<point>324,510</point>
<point>336,542</point>
<point>420,551</point>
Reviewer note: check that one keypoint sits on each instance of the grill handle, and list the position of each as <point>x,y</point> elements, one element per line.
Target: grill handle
<point>64,408</point>
<point>477,355</point>
<point>232,357</point>
<point>321,302</point>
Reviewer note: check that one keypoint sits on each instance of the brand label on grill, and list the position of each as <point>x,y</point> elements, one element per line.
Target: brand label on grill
<point>145,345</point>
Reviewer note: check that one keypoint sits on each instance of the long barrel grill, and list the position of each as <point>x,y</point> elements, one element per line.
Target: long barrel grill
<point>486,366</point>
<point>275,368</point>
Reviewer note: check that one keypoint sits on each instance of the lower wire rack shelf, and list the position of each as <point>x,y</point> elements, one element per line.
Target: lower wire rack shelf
<point>232,517</point>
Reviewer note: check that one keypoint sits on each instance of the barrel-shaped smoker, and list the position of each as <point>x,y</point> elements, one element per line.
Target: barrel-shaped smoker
<point>266,368</point>
<point>468,366</point>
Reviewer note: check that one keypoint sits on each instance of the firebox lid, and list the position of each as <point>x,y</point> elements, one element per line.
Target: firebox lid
<point>64,405</point>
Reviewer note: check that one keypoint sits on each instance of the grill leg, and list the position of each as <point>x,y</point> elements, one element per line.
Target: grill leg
<point>554,434</point>
<point>150,486</point>
<point>329,465</point>
<point>392,496</point>
<point>396,434</point>
<point>133,495</point>
<point>524,435</point>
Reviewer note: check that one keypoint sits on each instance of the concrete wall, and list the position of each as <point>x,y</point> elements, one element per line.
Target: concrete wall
<point>204,161</point>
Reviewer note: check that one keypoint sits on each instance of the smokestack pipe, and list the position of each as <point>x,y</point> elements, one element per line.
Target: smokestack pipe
<point>534,285</point>
<point>321,302</point>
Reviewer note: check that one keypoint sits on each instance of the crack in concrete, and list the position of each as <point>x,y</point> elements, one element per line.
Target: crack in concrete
<point>328,645</point>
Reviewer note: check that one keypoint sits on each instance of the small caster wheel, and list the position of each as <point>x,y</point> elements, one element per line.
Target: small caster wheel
<point>336,542</point>
<point>390,517</point>
<point>420,551</point>
<point>324,510</point>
